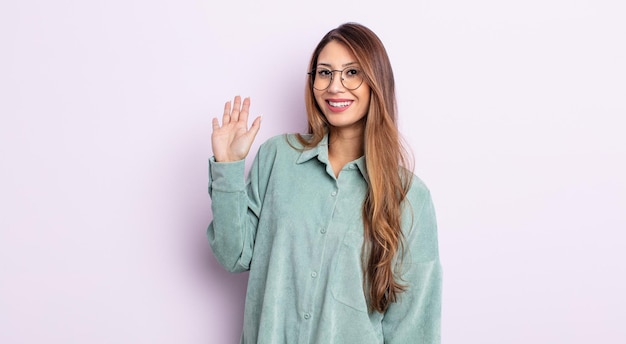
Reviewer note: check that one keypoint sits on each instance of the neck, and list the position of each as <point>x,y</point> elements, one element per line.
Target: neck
<point>344,146</point>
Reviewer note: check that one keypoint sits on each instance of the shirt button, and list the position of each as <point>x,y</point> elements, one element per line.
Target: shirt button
<point>307,316</point>
<point>334,193</point>
<point>323,230</point>
<point>352,166</point>
<point>313,274</point>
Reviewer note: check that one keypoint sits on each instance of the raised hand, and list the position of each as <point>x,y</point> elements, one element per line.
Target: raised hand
<point>232,140</point>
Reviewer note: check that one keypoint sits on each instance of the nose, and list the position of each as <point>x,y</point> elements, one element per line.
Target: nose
<point>335,84</point>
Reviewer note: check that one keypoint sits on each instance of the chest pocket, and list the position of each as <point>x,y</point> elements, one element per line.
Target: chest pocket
<point>347,284</point>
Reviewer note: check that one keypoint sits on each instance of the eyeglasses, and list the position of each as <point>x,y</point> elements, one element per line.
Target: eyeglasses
<point>351,78</point>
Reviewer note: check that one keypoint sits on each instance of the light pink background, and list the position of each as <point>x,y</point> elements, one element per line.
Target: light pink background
<point>516,113</point>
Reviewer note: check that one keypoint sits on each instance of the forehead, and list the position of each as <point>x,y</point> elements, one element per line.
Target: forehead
<point>335,54</point>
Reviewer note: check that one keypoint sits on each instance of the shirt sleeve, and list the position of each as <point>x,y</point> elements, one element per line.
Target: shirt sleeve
<point>416,316</point>
<point>236,205</point>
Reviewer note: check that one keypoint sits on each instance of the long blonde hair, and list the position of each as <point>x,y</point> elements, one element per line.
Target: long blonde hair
<point>389,175</point>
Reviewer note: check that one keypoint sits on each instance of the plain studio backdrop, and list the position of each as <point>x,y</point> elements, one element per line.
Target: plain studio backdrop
<point>515,112</point>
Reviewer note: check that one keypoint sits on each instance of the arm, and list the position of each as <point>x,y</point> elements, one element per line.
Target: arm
<point>416,317</point>
<point>235,215</point>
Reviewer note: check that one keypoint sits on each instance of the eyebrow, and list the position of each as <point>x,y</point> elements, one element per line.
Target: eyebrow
<point>330,66</point>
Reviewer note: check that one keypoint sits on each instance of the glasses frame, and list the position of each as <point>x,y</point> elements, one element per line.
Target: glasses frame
<point>332,76</point>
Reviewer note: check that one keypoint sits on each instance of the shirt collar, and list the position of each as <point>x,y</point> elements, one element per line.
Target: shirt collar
<point>321,152</point>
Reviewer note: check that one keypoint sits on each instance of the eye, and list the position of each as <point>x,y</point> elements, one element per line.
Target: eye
<point>352,72</point>
<point>324,73</point>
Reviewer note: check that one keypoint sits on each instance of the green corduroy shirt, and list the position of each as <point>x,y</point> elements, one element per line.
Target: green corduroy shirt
<point>299,231</point>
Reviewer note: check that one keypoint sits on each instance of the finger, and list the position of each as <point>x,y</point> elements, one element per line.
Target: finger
<point>234,114</point>
<point>216,124</point>
<point>245,110</point>
<point>226,116</point>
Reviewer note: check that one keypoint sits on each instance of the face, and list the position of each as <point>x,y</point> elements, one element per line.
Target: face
<point>342,107</point>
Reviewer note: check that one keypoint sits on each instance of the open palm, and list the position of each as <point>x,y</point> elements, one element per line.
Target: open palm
<point>232,140</point>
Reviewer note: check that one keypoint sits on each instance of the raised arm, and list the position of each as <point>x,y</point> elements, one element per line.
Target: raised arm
<point>235,204</point>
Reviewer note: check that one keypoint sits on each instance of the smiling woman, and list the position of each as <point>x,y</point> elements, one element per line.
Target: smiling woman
<point>344,101</point>
<point>338,234</point>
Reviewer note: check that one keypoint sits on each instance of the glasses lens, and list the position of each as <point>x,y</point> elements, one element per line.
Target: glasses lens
<point>351,78</point>
<point>322,78</point>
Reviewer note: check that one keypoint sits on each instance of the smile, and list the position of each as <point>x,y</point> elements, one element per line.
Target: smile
<point>339,104</point>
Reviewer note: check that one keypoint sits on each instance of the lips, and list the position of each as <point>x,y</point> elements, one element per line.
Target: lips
<point>338,105</point>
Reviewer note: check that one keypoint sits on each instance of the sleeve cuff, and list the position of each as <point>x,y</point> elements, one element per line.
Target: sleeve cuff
<point>226,176</point>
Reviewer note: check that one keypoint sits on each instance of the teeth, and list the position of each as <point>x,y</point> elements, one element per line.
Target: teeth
<point>339,104</point>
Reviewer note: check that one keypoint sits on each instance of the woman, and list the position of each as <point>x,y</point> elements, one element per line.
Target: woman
<point>339,236</point>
